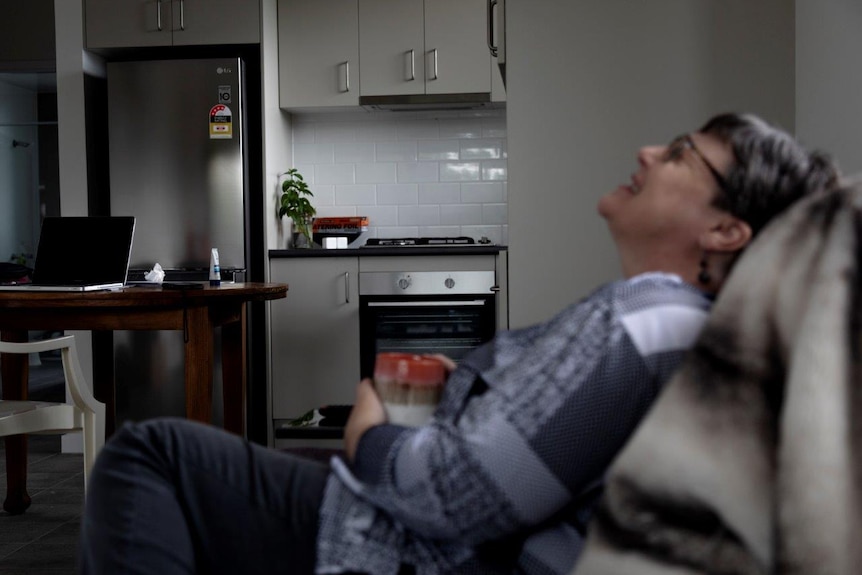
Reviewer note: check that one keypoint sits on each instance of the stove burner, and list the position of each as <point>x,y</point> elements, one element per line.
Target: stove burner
<point>398,242</point>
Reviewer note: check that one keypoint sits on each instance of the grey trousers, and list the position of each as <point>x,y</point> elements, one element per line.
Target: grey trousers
<point>170,496</point>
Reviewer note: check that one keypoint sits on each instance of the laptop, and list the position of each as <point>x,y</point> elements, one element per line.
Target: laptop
<point>80,254</point>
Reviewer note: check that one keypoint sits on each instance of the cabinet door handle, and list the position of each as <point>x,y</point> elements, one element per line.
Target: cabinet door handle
<point>434,55</point>
<point>491,5</point>
<point>346,67</point>
<point>159,15</point>
<point>182,15</point>
<point>412,53</point>
<point>346,287</point>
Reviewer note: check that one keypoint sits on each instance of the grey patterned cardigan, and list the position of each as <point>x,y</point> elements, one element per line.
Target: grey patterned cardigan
<point>505,476</point>
<point>751,460</point>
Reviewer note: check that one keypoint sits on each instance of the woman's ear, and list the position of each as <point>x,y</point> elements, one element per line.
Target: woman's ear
<point>729,234</point>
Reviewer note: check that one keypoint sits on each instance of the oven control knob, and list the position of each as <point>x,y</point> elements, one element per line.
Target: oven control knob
<point>404,282</point>
<point>449,283</point>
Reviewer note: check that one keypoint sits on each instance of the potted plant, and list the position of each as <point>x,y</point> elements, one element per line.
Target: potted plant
<point>296,205</point>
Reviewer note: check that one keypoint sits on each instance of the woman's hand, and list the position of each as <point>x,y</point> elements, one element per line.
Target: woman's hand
<point>367,412</point>
<point>446,361</point>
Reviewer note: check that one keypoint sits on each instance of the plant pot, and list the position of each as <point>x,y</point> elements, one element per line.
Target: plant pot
<point>300,241</point>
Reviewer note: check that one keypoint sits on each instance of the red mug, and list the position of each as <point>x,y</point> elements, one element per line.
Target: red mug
<point>409,385</point>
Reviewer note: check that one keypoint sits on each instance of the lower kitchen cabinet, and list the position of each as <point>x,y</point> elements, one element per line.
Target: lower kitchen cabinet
<point>315,331</point>
<point>315,334</point>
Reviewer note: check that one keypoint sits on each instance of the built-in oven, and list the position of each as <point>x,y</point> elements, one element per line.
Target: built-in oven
<point>448,312</point>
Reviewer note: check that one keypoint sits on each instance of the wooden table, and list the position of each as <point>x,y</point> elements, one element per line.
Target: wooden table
<point>196,312</point>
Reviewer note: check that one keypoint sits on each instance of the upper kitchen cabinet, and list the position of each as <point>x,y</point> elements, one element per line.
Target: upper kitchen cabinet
<point>139,23</point>
<point>318,53</point>
<point>423,47</point>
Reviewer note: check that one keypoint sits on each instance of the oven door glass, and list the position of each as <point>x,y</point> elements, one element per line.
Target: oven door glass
<point>453,326</point>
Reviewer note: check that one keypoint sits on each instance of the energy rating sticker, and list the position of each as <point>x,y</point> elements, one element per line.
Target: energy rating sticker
<point>221,123</point>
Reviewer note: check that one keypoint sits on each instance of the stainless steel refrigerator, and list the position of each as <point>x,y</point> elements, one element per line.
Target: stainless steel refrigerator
<point>176,153</point>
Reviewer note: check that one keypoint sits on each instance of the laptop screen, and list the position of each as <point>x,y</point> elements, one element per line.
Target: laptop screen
<point>83,250</point>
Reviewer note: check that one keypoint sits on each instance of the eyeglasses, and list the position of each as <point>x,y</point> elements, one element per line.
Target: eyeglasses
<point>682,143</point>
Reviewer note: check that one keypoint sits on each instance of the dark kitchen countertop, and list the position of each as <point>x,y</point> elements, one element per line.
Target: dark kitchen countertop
<point>464,250</point>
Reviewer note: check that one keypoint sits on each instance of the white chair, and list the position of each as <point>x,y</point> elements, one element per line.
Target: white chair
<point>84,413</point>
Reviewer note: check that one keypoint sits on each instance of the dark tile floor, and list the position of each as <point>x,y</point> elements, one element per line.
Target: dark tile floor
<point>43,540</point>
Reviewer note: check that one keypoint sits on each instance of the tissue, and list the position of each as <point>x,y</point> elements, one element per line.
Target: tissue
<point>155,275</point>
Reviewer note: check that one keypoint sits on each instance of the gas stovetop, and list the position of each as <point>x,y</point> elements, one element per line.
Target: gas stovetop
<point>411,242</point>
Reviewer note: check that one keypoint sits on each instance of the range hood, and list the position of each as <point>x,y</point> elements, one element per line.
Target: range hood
<point>424,102</point>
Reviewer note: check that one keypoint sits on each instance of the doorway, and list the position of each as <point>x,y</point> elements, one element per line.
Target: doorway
<point>29,161</point>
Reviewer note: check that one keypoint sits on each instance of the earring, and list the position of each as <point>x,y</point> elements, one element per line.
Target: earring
<point>703,276</point>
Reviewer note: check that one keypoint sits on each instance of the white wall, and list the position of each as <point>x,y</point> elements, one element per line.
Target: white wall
<point>278,154</point>
<point>829,78</point>
<point>588,82</point>
<point>69,18</point>
<point>69,24</point>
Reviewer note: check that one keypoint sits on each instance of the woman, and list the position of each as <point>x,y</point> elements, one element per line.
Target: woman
<point>505,476</point>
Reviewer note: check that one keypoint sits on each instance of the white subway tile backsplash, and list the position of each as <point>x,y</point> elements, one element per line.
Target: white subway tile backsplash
<point>335,211</point>
<point>460,128</point>
<point>324,195</point>
<point>354,152</point>
<point>395,151</point>
<point>462,215</point>
<point>303,133</point>
<point>313,153</point>
<point>397,194</point>
<point>432,174</point>
<point>305,170</point>
<point>482,192</point>
<point>436,150</point>
<point>334,174</point>
<point>459,171</point>
<point>418,129</point>
<point>419,215</point>
<point>376,131</point>
<point>355,194</point>
<point>417,172</point>
<point>397,231</point>
<point>440,231</point>
<point>376,173</point>
<point>440,193</point>
<point>335,133</point>
<point>380,215</point>
<point>494,214</point>
<point>495,170</point>
<point>494,127</point>
<point>481,149</point>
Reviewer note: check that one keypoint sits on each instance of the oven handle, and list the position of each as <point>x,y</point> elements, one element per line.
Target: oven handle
<point>450,303</point>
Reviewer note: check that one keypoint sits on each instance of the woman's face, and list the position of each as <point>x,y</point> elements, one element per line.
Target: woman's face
<point>657,219</point>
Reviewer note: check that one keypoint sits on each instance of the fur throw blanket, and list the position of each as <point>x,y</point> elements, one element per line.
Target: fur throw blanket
<point>751,459</point>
